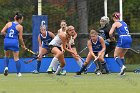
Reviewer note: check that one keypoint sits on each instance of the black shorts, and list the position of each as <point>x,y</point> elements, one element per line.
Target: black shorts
<point>51,47</point>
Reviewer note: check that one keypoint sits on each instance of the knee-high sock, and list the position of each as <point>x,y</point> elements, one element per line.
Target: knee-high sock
<point>38,65</point>
<point>6,61</point>
<point>18,66</point>
<point>54,63</point>
<point>104,65</point>
<point>119,61</point>
<point>80,63</point>
<point>123,61</point>
<point>98,65</point>
<point>82,68</point>
<point>58,70</point>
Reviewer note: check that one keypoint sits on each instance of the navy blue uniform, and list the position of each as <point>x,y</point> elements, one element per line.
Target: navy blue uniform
<point>96,47</point>
<point>124,39</point>
<point>11,39</point>
<point>46,40</point>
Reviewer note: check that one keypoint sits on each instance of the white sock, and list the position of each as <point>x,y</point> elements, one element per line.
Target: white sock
<point>80,63</point>
<point>58,70</point>
<point>53,62</point>
<point>56,63</point>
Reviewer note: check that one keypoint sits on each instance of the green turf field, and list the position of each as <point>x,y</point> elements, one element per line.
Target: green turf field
<point>90,83</point>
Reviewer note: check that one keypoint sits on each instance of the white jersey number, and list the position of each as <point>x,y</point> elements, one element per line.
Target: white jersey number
<point>11,33</point>
<point>126,29</point>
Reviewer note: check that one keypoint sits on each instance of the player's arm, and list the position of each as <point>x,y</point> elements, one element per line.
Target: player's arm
<point>3,31</point>
<point>64,40</point>
<point>89,45</point>
<point>112,30</point>
<point>103,46</point>
<point>51,34</point>
<point>20,29</point>
<point>40,43</point>
<point>75,35</point>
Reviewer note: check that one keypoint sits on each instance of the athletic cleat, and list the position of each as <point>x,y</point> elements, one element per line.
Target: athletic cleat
<point>85,71</point>
<point>6,71</point>
<point>123,71</point>
<point>78,73</point>
<point>35,72</point>
<point>50,70</point>
<point>63,72</point>
<point>19,74</point>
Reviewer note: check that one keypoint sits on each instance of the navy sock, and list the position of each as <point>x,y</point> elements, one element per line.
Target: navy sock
<point>6,61</point>
<point>82,68</point>
<point>38,65</point>
<point>123,61</point>
<point>104,65</point>
<point>119,61</point>
<point>18,66</point>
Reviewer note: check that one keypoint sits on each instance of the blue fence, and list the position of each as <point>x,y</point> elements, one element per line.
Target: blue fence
<point>71,65</point>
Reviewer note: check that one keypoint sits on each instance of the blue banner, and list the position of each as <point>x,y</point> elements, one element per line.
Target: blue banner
<point>36,22</point>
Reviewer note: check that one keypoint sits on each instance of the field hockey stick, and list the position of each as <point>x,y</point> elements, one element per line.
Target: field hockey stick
<point>31,60</point>
<point>30,51</point>
<point>136,51</point>
<point>93,62</point>
<point>82,50</point>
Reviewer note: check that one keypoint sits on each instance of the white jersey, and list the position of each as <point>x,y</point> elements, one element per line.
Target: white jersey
<point>56,41</point>
<point>71,41</point>
<point>60,30</point>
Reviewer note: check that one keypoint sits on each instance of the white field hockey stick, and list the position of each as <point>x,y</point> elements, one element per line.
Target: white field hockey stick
<point>93,62</point>
<point>82,50</point>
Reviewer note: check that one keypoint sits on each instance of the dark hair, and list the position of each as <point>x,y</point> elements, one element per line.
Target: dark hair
<point>116,15</point>
<point>18,16</point>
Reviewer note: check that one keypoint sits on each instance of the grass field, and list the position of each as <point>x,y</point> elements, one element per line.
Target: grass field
<point>90,83</point>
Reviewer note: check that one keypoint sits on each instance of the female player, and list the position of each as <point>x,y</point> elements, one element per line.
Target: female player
<point>44,38</point>
<point>11,31</point>
<point>96,46</point>
<point>55,46</point>
<point>124,40</point>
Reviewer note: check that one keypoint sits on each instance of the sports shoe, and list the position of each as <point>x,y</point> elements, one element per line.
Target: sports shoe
<point>85,71</point>
<point>50,70</point>
<point>19,74</point>
<point>78,73</point>
<point>6,71</point>
<point>35,72</point>
<point>123,69</point>
<point>63,72</point>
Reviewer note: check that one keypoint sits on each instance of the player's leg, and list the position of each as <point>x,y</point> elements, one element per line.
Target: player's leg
<point>18,63</point>
<point>88,59</point>
<point>43,51</point>
<point>78,60</point>
<point>58,56</point>
<point>6,62</point>
<point>104,68</point>
<point>53,65</point>
<point>123,68</point>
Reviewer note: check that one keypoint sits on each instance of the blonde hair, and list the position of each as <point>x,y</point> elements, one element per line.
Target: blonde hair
<point>68,28</point>
<point>93,32</point>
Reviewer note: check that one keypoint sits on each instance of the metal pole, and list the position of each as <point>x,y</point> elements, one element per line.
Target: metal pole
<point>121,9</point>
<point>39,7</point>
<point>105,7</point>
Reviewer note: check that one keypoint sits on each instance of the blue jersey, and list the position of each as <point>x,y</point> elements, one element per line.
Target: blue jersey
<point>96,47</point>
<point>45,40</point>
<point>124,39</point>
<point>123,30</point>
<point>11,38</point>
<point>12,31</point>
